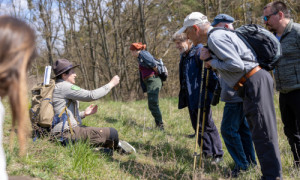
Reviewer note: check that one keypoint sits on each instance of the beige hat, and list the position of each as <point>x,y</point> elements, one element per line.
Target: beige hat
<point>192,19</point>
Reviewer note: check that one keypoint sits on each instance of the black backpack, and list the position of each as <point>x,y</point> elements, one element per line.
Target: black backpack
<point>162,70</point>
<point>262,42</point>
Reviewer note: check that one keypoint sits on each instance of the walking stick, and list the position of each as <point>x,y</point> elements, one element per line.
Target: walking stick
<point>198,119</point>
<point>203,117</point>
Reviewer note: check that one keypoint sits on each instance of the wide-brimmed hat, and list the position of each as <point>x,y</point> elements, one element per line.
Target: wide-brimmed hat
<point>193,19</point>
<point>62,65</point>
<point>222,18</point>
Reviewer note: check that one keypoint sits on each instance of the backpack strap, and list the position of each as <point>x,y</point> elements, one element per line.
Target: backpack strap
<point>76,114</point>
<point>69,122</point>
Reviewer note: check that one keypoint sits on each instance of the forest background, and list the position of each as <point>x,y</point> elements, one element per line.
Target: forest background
<point>96,34</point>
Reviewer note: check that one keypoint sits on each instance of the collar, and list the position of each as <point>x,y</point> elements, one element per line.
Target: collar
<point>209,29</point>
<point>59,80</point>
<point>288,28</point>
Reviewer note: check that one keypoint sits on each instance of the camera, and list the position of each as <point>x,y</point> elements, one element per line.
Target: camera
<point>216,97</point>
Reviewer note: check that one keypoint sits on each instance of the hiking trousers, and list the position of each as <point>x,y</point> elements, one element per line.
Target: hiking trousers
<point>154,85</point>
<point>97,136</point>
<point>290,115</point>
<point>260,113</point>
<point>212,145</point>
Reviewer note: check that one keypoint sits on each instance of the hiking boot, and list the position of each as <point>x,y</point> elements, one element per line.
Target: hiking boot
<point>235,173</point>
<point>125,147</point>
<point>160,126</point>
<point>216,160</point>
<point>297,164</point>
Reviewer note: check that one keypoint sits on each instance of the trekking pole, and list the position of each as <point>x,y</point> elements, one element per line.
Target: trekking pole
<point>198,119</point>
<point>203,117</point>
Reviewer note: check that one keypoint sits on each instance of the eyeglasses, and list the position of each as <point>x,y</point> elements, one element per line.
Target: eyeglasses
<point>266,18</point>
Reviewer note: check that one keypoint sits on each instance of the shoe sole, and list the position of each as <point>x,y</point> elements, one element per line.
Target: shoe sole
<point>126,147</point>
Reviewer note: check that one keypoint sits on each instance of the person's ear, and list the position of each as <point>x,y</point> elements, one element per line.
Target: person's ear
<point>64,76</point>
<point>226,26</point>
<point>196,27</point>
<point>281,15</point>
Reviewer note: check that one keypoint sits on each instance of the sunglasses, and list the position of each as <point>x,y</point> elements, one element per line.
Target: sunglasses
<point>266,18</point>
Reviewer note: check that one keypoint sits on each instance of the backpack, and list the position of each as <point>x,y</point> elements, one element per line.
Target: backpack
<point>262,42</point>
<point>162,70</point>
<point>41,111</point>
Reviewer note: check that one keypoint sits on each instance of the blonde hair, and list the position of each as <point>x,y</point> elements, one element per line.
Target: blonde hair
<point>17,49</point>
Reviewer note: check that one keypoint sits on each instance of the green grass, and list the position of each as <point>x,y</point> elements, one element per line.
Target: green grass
<point>160,155</point>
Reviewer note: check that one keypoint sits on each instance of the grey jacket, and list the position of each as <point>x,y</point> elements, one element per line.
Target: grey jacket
<point>64,92</point>
<point>233,59</point>
<point>287,71</point>
<point>228,94</point>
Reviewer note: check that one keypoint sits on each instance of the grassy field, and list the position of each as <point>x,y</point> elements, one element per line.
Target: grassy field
<point>160,155</point>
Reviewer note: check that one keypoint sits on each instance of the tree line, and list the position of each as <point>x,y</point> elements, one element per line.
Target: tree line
<point>96,34</point>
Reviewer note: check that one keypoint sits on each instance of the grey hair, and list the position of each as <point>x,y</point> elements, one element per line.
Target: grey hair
<point>203,26</point>
<point>179,37</point>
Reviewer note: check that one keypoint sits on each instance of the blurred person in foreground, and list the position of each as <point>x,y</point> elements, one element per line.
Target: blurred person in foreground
<point>17,50</point>
<point>234,126</point>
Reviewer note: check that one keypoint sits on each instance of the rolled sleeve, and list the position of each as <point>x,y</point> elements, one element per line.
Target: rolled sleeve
<point>85,95</point>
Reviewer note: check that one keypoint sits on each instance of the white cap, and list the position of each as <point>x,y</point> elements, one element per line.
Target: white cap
<point>192,19</point>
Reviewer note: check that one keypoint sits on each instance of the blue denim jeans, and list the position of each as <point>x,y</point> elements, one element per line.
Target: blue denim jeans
<point>237,136</point>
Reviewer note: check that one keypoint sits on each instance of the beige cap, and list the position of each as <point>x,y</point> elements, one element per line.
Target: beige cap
<point>192,19</point>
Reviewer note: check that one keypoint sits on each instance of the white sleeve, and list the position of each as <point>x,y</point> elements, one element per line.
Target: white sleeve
<point>3,173</point>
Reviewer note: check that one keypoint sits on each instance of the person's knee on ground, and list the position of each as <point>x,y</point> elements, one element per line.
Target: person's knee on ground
<point>113,139</point>
<point>117,144</point>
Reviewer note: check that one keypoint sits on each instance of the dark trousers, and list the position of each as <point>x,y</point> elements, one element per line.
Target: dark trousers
<point>212,145</point>
<point>237,136</point>
<point>290,115</point>
<point>260,113</point>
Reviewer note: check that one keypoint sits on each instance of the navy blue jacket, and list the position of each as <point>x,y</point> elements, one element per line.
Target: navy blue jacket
<point>190,68</point>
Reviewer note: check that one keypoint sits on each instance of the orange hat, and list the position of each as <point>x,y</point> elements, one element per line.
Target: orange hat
<point>137,46</point>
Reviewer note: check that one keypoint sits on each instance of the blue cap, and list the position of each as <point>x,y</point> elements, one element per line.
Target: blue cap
<point>222,18</point>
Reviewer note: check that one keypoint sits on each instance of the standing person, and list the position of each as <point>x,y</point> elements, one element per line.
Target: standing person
<point>183,44</point>
<point>234,127</point>
<point>234,60</point>
<point>17,49</point>
<point>67,95</point>
<point>190,77</point>
<point>150,81</point>
<point>287,72</point>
